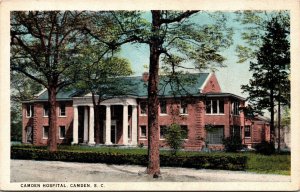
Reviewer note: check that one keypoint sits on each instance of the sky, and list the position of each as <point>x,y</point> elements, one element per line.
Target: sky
<point>230,78</point>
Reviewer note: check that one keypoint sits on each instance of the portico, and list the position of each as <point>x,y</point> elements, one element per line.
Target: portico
<point>116,126</point>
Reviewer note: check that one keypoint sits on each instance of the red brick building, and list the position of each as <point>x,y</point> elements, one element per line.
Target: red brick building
<point>123,119</point>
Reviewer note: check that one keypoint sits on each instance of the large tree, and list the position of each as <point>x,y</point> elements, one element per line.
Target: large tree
<point>270,83</point>
<point>173,37</point>
<point>43,45</point>
<point>100,75</point>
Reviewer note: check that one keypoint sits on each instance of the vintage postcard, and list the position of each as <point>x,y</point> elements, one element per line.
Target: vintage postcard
<point>162,95</point>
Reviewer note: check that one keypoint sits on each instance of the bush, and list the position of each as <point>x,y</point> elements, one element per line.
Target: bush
<point>174,137</point>
<point>265,148</point>
<point>192,160</point>
<point>232,144</point>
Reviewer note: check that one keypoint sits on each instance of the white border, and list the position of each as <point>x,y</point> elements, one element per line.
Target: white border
<point>293,5</point>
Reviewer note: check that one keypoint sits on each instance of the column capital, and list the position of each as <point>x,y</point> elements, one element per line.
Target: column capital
<point>91,106</point>
<point>75,105</point>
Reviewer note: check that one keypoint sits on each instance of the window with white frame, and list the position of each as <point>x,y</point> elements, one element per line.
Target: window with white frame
<point>215,106</point>
<point>143,131</point>
<point>184,131</point>
<point>163,107</point>
<point>215,135</point>
<point>45,132</point>
<point>162,131</point>
<point>29,110</point>
<point>62,110</point>
<point>235,108</point>
<point>62,132</point>
<point>247,131</point>
<point>143,108</point>
<point>183,107</point>
<point>46,110</point>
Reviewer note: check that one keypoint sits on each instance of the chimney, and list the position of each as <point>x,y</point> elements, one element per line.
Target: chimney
<point>145,76</point>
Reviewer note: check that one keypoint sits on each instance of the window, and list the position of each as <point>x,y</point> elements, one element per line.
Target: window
<point>143,108</point>
<point>247,131</point>
<point>62,132</point>
<point>215,106</point>
<point>143,131</point>
<point>29,110</point>
<point>184,131</point>
<point>215,135</point>
<point>235,131</point>
<point>29,134</point>
<point>45,132</point>
<point>46,110</point>
<point>163,107</point>
<point>162,132</point>
<point>183,107</point>
<point>235,108</point>
<point>129,132</point>
<point>62,109</point>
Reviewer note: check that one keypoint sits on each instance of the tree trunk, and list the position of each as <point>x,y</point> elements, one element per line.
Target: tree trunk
<point>272,129</point>
<point>279,124</point>
<point>52,139</point>
<point>153,134</point>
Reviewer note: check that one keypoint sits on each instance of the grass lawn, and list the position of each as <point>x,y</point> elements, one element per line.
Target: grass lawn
<point>271,164</point>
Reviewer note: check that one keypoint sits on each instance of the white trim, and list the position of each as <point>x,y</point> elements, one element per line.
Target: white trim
<point>205,82</point>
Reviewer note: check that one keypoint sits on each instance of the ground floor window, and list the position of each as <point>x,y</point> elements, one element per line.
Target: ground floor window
<point>215,135</point>
<point>45,132</point>
<point>129,132</point>
<point>247,131</point>
<point>29,134</point>
<point>235,131</point>
<point>184,131</point>
<point>62,132</point>
<point>163,131</point>
<point>143,131</point>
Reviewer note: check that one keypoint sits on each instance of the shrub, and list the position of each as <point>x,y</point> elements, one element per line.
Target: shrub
<point>192,160</point>
<point>266,148</point>
<point>174,137</point>
<point>232,144</point>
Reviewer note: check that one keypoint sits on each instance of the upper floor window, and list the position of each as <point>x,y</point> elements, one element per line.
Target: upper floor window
<point>214,106</point>
<point>163,107</point>
<point>46,110</point>
<point>183,107</point>
<point>62,109</point>
<point>29,110</point>
<point>143,108</point>
<point>235,108</point>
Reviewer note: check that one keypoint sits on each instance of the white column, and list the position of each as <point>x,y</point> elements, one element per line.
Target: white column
<point>86,125</point>
<point>75,125</point>
<point>108,126</point>
<point>91,126</point>
<point>125,124</point>
<point>134,125</point>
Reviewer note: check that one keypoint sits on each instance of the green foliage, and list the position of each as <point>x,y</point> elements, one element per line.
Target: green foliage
<point>232,143</point>
<point>131,156</point>
<point>266,148</point>
<point>175,137</point>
